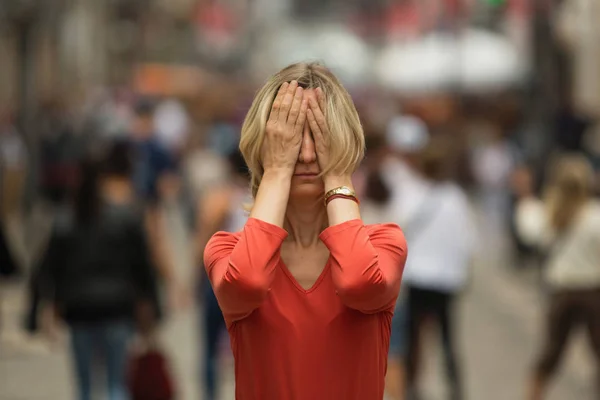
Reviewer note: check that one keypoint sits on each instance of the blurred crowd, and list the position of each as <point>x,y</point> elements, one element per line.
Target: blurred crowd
<point>84,212</point>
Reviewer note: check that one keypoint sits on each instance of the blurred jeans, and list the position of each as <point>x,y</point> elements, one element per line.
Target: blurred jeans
<point>105,342</point>
<point>424,305</point>
<point>398,340</point>
<point>214,327</point>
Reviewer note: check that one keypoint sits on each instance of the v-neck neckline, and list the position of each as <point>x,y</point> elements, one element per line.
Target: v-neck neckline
<point>295,282</point>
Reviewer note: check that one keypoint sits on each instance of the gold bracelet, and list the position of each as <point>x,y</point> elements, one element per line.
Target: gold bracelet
<point>342,190</point>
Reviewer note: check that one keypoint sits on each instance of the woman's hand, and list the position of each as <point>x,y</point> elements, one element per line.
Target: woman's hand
<point>283,136</point>
<point>318,127</point>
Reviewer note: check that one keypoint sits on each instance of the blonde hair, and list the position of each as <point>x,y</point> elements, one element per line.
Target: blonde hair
<point>570,188</point>
<point>346,137</point>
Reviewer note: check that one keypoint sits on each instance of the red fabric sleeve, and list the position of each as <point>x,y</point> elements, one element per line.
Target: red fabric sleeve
<point>367,263</point>
<point>241,266</point>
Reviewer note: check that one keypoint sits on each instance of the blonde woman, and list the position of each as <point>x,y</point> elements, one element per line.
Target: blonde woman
<point>567,224</point>
<point>306,288</point>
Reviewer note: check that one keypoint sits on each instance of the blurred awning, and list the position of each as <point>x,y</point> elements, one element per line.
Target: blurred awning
<point>346,54</point>
<point>475,60</point>
<point>426,65</point>
<point>169,80</point>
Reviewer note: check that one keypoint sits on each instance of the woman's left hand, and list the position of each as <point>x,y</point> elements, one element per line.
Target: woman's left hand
<point>318,125</point>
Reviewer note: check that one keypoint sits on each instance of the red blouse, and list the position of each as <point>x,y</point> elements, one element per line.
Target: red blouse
<point>329,342</point>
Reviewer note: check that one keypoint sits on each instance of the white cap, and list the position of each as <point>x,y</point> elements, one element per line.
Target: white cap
<point>407,134</point>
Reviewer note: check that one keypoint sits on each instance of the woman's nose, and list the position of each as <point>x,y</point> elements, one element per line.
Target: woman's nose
<point>308,153</point>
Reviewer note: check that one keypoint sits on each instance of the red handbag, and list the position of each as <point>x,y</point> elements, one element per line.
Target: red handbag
<point>149,376</point>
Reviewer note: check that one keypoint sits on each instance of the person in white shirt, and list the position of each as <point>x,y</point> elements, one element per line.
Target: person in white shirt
<point>566,226</point>
<point>406,138</point>
<point>440,231</point>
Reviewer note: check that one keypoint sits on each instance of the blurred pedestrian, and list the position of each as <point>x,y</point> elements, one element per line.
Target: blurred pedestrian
<point>220,209</point>
<point>306,288</point>
<point>13,163</point>
<point>61,152</point>
<point>566,224</point>
<point>155,180</point>
<point>13,168</point>
<point>97,273</point>
<point>440,229</point>
<point>376,208</point>
<point>406,137</point>
<point>172,126</point>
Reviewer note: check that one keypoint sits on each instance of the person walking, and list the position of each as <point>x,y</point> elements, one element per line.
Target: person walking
<point>566,226</point>
<point>97,274</point>
<point>440,227</point>
<point>306,288</point>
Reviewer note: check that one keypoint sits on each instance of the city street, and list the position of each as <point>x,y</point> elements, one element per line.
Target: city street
<point>499,327</point>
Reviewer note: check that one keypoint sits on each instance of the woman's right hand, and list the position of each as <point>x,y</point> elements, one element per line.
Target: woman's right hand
<point>283,134</point>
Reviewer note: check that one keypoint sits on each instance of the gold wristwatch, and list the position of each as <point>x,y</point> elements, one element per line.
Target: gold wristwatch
<point>342,190</point>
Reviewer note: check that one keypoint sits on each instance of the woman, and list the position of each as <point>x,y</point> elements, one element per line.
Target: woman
<point>97,274</point>
<point>221,208</point>
<point>306,289</point>
<point>567,225</point>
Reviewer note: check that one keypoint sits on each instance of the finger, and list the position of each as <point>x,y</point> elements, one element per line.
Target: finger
<point>277,102</point>
<point>287,102</point>
<point>295,108</point>
<point>318,115</point>
<point>301,117</point>
<point>314,126</point>
<point>321,99</point>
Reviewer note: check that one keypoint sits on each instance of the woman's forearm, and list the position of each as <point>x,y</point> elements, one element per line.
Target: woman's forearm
<point>272,197</point>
